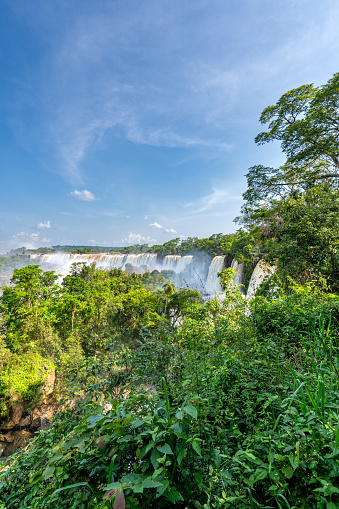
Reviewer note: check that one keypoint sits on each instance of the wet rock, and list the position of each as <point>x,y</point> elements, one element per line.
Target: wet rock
<point>24,421</point>
<point>16,411</point>
<point>13,441</point>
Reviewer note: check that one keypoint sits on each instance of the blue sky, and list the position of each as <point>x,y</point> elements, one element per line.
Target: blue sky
<point>133,121</point>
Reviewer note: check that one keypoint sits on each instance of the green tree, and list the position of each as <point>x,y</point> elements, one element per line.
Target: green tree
<point>25,307</point>
<point>296,205</point>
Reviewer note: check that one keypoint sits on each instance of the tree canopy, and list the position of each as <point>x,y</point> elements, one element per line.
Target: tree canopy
<point>305,121</point>
<point>295,207</point>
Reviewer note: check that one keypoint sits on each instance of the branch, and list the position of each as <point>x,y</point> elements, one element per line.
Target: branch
<point>325,176</point>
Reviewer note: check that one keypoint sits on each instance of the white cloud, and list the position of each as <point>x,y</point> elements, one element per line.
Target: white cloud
<point>92,241</point>
<point>29,240</point>
<point>137,238</point>
<point>160,227</point>
<point>156,225</point>
<point>83,195</point>
<point>217,197</point>
<point>146,217</point>
<point>42,226</point>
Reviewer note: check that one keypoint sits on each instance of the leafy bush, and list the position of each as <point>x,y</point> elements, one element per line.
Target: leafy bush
<point>291,316</point>
<point>24,376</point>
<point>140,447</point>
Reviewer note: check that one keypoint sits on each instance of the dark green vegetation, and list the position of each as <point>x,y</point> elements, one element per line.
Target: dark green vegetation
<point>175,402</point>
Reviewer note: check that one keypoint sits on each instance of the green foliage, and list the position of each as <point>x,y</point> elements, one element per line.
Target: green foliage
<point>23,376</point>
<point>245,414</point>
<point>293,210</point>
<point>293,316</point>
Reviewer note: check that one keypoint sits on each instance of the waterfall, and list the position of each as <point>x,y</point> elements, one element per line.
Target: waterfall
<point>213,286</point>
<point>141,260</point>
<point>176,263</point>
<point>238,277</point>
<point>262,269</point>
<point>62,262</point>
<point>194,271</point>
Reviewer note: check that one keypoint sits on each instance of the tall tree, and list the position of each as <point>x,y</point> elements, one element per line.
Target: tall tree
<point>297,204</point>
<point>306,123</point>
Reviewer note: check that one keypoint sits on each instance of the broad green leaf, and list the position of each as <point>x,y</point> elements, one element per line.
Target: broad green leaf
<point>162,488</point>
<point>154,458</point>
<point>195,445</point>
<point>146,449</point>
<point>70,444</point>
<point>293,461</point>
<point>258,475</point>
<point>48,472</point>
<point>77,485</point>
<point>35,477</point>
<point>181,455</point>
<point>113,486</point>
<point>287,471</point>
<point>165,449</point>
<point>149,483</point>
<point>119,430</point>
<point>157,472</point>
<point>191,410</point>
<point>127,420</point>
<point>56,457</point>
<point>274,476</point>
<point>138,487</point>
<point>137,422</point>
<point>94,419</point>
<point>179,414</point>
<point>279,457</point>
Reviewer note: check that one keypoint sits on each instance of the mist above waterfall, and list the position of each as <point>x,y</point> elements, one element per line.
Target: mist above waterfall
<point>197,270</point>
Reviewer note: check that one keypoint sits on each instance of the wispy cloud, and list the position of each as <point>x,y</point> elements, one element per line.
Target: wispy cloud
<point>217,197</point>
<point>83,195</point>
<point>29,240</point>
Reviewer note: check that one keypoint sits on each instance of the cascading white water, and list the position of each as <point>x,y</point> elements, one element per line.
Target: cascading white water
<point>140,260</point>
<point>262,269</point>
<point>213,283</point>
<point>238,277</point>
<point>185,268</point>
<point>195,271</point>
<point>176,263</point>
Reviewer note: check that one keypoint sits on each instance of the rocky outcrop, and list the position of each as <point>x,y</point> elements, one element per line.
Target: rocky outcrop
<point>24,421</point>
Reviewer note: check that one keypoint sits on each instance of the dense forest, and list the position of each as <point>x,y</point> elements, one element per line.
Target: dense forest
<point>163,399</point>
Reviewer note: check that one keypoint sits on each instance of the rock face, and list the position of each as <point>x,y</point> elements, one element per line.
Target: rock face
<point>24,423</point>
